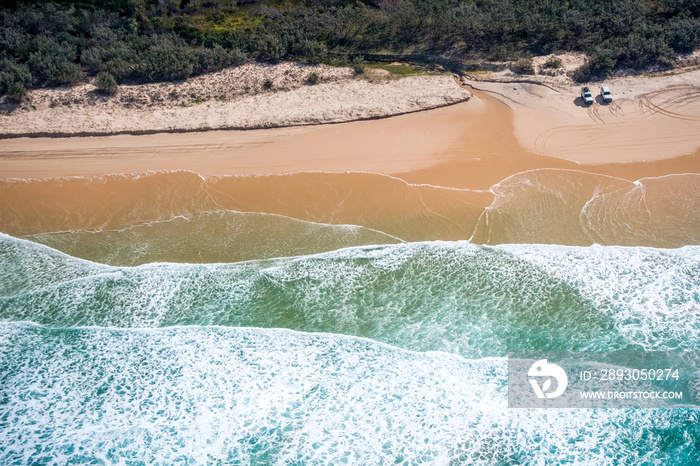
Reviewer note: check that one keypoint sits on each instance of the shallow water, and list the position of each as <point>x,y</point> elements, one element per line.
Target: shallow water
<point>142,214</point>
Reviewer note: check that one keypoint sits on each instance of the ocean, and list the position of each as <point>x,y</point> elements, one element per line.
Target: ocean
<point>363,355</point>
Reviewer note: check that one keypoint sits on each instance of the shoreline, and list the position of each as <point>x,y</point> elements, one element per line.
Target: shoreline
<point>454,173</point>
<point>554,206</point>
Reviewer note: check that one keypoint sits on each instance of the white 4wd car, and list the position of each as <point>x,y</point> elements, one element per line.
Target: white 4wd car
<point>587,96</point>
<point>606,94</point>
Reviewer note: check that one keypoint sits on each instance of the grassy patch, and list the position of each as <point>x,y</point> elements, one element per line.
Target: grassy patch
<point>402,70</point>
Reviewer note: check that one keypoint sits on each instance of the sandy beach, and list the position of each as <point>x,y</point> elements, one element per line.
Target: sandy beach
<point>515,163</point>
<point>468,145</point>
<point>246,97</point>
<point>650,118</point>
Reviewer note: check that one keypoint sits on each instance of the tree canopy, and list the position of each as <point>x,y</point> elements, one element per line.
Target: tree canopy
<point>163,40</point>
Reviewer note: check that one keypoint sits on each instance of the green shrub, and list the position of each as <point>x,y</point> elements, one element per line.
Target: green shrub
<point>523,66</point>
<point>358,65</point>
<point>17,91</point>
<point>683,36</point>
<point>270,48</point>
<point>501,52</point>
<point>312,51</point>
<point>216,58</point>
<point>553,62</point>
<point>106,83</point>
<point>238,57</point>
<point>13,73</point>
<point>637,50</point>
<point>666,63</point>
<point>212,59</point>
<point>582,74</point>
<point>313,78</point>
<point>166,59</point>
<point>53,63</point>
<point>116,60</point>
<point>601,63</point>
<point>598,65</point>
<point>153,40</point>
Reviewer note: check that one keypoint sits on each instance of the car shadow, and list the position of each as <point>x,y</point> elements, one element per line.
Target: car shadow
<point>580,102</point>
<point>599,99</point>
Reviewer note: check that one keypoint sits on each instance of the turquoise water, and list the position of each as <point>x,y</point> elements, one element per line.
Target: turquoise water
<point>364,355</point>
<point>271,396</point>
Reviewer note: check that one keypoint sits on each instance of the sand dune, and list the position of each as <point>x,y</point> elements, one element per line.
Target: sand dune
<point>252,96</point>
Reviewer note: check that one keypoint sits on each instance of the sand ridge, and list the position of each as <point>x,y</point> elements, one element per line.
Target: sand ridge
<point>251,96</point>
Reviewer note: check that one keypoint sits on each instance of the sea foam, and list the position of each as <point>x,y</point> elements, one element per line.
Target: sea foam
<point>260,396</point>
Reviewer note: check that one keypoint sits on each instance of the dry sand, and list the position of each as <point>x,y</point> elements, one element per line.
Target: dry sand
<point>250,96</point>
<point>650,118</point>
<point>391,145</point>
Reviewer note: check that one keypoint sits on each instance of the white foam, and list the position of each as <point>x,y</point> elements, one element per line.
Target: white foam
<point>652,294</point>
<point>457,297</point>
<point>206,395</point>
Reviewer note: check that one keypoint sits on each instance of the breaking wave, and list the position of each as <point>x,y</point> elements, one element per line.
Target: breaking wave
<point>456,297</point>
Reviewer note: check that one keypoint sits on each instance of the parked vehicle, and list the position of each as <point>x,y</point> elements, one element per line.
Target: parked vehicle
<point>606,94</point>
<point>587,96</point>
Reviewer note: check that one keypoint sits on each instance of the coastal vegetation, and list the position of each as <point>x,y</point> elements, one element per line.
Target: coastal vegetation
<point>106,83</point>
<point>52,44</point>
